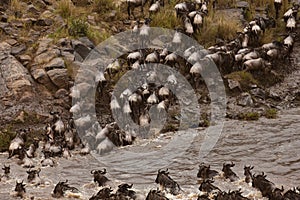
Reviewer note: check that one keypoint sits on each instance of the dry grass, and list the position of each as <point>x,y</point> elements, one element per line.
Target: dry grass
<point>102,7</point>
<point>165,19</point>
<point>65,8</point>
<point>218,26</point>
<point>16,6</point>
<point>244,78</point>
<point>97,36</point>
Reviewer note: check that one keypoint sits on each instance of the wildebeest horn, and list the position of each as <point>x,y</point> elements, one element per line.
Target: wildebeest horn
<point>93,171</point>
<point>103,171</point>
<point>159,170</point>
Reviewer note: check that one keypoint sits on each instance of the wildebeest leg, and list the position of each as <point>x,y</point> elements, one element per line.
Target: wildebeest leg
<point>128,9</point>
<point>142,9</point>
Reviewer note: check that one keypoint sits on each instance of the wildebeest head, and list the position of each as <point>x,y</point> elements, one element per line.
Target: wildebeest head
<point>247,173</point>
<point>166,181</point>
<point>124,190</point>
<point>102,194</point>
<point>99,176</point>
<point>155,195</point>
<point>60,189</point>
<point>265,186</point>
<point>32,174</point>
<point>228,173</point>
<point>20,188</point>
<point>207,186</point>
<point>205,172</point>
<point>6,169</point>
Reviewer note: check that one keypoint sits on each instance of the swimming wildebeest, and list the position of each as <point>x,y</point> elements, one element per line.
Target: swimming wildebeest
<point>265,186</point>
<point>231,195</point>
<point>60,189</point>
<point>228,173</point>
<point>124,191</point>
<point>20,189</point>
<point>205,172</point>
<point>156,195</point>
<point>6,169</point>
<point>166,181</point>
<point>32,174</point>
<point>104,193</point>
<point>99,176</point>
<point>207,186</point>
<point>247,173</point>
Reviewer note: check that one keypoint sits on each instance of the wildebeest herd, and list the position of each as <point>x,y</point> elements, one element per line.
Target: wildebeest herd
<point>242,53</point>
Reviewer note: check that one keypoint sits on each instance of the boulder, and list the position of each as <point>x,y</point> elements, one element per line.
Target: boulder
<point>81,48</point>
<point>56,63</point>
<point>17,50</point>
<point>59,77</point>
<point>46,57</point>
<point>245,99</point>
<point>32,9</point>
<point>61,93</point>
<point>40,76</point>
<point>44,22</point>
<point>14,76</point>
<point>43,45</point>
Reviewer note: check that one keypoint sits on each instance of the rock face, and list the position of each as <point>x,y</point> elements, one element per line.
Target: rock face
<point>59,77</point>
<point>14,77</point>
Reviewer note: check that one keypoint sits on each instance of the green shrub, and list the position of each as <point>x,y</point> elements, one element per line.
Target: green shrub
<point>271,113</point>
<point>78,27</point>
<point>249,116</point>
<point>244,78</point>
<point>6,136</point>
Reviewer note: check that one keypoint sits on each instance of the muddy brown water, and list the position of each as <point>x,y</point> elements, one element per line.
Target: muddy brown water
<point>271,145</point>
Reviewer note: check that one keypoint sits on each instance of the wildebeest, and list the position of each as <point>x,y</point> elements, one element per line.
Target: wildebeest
<point>228,173</point>
<point>265,186</point>
<point>104,193</point>
<point>247,173</point>
<point>277,4</point>
<point>60,189</point>
<point>6,169</point>
<point>184,8</point>
<point>292,194</point>
<point>205,172</point>
<point>124,190</point>
<point>20,189</point>
<point>99,177</point>
<point>156,195</point>
<point>207,186</point>
<point>166,181</point>
<point>231,195</point>
<point>256,64</point>
<point>32,174</point>
<point>17,144</point>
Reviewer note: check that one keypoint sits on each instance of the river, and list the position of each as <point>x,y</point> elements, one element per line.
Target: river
<point>271,145</point>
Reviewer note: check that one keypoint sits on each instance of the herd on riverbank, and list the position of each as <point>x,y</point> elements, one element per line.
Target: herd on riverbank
<point>239,54</point>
